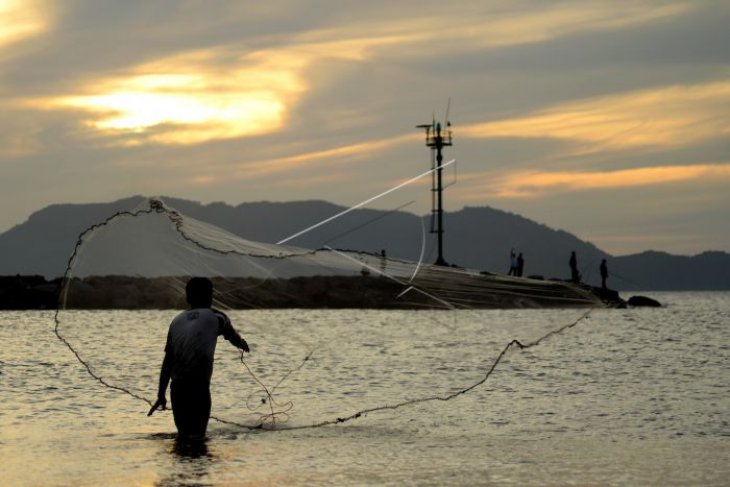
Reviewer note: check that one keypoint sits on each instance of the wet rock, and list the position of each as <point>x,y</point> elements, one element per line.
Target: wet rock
<point>608,296</point>
<point>644,301</point>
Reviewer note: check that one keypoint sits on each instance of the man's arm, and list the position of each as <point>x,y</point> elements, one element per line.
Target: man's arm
<point>239,342</point>
<point>165,372</point>
<point>229,333</point>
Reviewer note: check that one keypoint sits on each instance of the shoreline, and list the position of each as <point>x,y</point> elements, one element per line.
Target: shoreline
<point>434,288</point>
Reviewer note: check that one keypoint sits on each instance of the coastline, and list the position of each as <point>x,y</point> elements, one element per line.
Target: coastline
<point>434,288</point>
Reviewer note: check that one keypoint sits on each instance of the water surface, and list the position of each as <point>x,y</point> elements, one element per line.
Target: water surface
<point>626,397</point>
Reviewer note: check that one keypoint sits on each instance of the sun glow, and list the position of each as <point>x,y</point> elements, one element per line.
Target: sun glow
<point>233,115</point>
<point>210,94</point>
<point>229,91</point>
<point>190,99</point>
<point>18,20</point>
<point>182,108</point>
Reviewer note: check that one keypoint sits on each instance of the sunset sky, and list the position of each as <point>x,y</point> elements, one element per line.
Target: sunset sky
<point>608,119</point>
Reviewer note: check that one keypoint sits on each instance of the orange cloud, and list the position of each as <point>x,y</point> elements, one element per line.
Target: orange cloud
<point>285,172</point>
<point>199,96</point>
<point>541,24</point>
<point>20,19</point>
<point>363,149</point>
<point>183,100</point>
<point>220,93</point>
<point>495,27</point>
<point>669,116</point>
<point>521,184</point>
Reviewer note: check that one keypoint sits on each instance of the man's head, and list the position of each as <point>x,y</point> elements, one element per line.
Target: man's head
<point>199,292</point>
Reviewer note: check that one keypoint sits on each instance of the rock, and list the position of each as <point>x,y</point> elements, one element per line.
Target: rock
<point>644,301</point>
<point>608,296</point>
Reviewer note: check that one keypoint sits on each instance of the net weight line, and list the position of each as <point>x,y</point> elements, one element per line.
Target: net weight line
<point>63,291</point>
<point>155,206</point>
<point>267,420</point>
<point>443,398</point>
<point>177,220</point>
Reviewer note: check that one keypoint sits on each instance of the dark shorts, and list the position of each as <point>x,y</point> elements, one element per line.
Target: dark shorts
<point>190,407</point>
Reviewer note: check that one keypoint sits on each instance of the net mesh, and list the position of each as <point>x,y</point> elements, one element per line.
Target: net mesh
<point>128,272</point>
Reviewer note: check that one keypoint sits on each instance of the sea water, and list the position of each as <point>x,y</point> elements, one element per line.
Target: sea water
<point>625,397</point>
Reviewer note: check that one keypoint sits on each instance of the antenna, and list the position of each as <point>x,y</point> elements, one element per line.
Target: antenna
<point>446,115</point>
<point>438,137</point>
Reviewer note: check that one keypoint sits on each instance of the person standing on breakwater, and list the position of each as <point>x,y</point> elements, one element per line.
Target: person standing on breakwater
<point>520,265</point>
<point>512,263</point>
<point>574,274</point>
<point>604,273</point>
<point>188,361</point>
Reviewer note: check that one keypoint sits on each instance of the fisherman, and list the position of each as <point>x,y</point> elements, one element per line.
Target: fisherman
<point>512,263</point>
<point>604,273</point>
<point>188,360</point>
<point>520,265</point>
<point>574,274</point>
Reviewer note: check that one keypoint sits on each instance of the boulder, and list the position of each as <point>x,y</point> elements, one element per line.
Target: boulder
<point>644,301</point>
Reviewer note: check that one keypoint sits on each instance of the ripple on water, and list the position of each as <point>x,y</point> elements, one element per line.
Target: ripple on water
<point>627,397</point>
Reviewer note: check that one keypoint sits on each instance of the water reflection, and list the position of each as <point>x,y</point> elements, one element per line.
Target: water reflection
<point>619,391</point>
<point>187,448</point>
<point>191,465</point>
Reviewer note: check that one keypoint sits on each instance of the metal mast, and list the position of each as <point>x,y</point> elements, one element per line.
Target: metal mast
<point>437,138</point>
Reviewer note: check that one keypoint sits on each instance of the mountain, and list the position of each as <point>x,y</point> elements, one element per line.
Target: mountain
<point>475,237</point>
<point>43,244</point>
<point>660,271</point>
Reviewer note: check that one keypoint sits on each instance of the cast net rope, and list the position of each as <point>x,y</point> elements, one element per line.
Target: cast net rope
<point>425,286</point>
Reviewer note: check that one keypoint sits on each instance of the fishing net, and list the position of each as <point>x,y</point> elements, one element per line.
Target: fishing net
<point>396,339</point>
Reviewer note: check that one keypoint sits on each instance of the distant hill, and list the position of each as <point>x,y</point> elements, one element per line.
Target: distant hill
<point>660,271</point>
<point>476,237</point>
<point>43,243</point>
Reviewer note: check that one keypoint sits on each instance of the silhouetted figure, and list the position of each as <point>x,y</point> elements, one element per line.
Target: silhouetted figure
<point>188,361</point>
<point>520,265</point>
<point>512,263</point>
<point>574,274</point>
<point>604,273</point>
<point>383,261</point>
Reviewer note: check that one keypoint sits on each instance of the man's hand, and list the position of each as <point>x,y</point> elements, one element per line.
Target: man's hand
<point>244,346</point>
<point>160,404</point>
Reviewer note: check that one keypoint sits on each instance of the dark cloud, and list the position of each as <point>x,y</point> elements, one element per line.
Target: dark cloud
<point>379,93</point>
<point>698,38</point>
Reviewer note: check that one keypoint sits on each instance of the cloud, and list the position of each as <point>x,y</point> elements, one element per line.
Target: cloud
<point>480,25</point>
<point>187,100</point>
<point>231,91</point>
<point>540,23</point>
<point>197,97</point>
<point>19,20</point>
<point>296,100</point>
<point>361,150</point>
<point>307,170</point>
<point>662,117</point>
<point>530,184</point>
